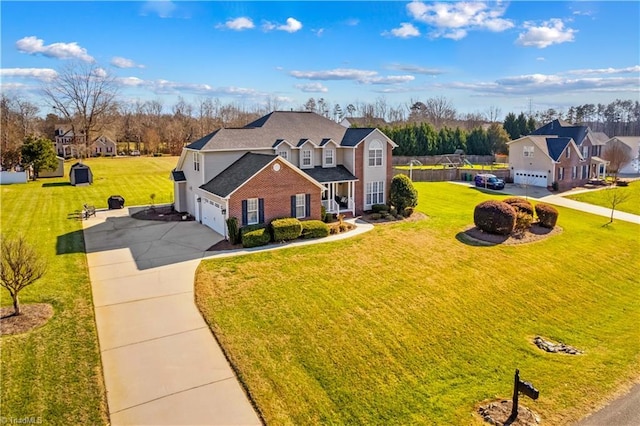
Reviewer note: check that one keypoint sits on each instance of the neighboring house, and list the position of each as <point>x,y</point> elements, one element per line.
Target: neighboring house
<point>103,146</point>
<point>364,122</point>
<point>632,144</point>
<point>285,164</point>
<point>558,152</point>
<point>67,143</point>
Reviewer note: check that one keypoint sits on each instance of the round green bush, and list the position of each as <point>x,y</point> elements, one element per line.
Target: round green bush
<point>547,215</point>
<point>495,217</point>
<point>314,229</point>
<point>379,208</point>
<point>402,193</point>
<point>286,229</point>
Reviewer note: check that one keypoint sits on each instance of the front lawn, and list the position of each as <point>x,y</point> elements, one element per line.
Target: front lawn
<point>484,167</point>
<point>407,324</point>
<point>54,373</point>
<point>602,197</point>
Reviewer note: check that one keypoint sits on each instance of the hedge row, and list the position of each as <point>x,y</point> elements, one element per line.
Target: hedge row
<point>512,215</point>
<point>279,230</point>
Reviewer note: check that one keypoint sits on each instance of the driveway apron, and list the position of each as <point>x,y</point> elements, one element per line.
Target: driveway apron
<point>162,365</point>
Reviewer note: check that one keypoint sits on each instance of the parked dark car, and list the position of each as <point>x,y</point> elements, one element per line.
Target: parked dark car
<point>486,180</point>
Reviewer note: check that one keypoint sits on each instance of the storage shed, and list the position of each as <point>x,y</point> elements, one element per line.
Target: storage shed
<point>80,174</point>
<point>58,172</point>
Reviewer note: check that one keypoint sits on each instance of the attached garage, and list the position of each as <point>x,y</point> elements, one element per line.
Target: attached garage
<point>212,216</point>
<point>533,178</point>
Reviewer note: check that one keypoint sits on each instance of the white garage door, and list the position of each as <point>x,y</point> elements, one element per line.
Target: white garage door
<point>212,216</point>
<point>525,177</point>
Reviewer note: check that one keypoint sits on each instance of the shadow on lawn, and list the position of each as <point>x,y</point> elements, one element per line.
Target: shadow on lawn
<point>72,242</point>
<point>54,184</point>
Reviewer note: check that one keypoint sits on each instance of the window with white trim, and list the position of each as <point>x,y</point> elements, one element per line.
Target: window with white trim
<point>284,154</point>
<point>306,158</point>
<point>375,153</point>
<point>328,157</point>
<point>252,211</point>
<point>375,193</point>
<point>568,152</point>
<point>560,173</point>
<point>300,206</point>
<point>528,151</point>
<point>574,172</point>
<point>585,171</point>
<point>196,161</point>
<point>585,152</point>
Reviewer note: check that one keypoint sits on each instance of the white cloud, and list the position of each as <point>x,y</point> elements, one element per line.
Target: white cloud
<point>416,69</point>
<point>540,58</point>
<point>120,62</point>
<point>291,26</point>
<point>627,70</point>
<point>167,87</point>
<point>33,46</point>
<point>43,74</point>
<point>454,20</point>
<point>361,76</point>
<point>239,24</point>
<point>162,8</point>
<point>549,32</point>
<point>99,72</point>
<point>405,30</point>
<point>312,88</point>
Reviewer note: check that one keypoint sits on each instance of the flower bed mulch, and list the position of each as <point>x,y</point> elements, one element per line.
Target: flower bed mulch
<point>535,233</point>
<point>31,316</point>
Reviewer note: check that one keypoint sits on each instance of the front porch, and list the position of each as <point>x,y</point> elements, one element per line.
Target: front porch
<point>598,169</point>
<point>337,197</point>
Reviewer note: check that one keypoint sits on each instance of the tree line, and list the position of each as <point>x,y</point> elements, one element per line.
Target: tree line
<point>86,98</point>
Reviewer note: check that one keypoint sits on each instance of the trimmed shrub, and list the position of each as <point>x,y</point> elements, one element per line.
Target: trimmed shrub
<point>375,216</point>
<point>314,229</point>
<point>408,211</point>
<point>495,217</point>
<point>379,208</point>
<point>517,200</point>
<point>402,193</point>
<point>323,212</point>
<point>547,215</point>
<point>523,223</point>
<point>234,232</point>
<point>249,228</point>
<point>255,237</point>
<point>286,229</point>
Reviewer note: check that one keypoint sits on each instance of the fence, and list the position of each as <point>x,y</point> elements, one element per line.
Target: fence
<point>7,178</point>
<point>443,175</point>
<point>429,160</point>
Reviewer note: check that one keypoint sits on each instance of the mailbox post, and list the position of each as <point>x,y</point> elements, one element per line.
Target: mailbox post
<point>526,388</point>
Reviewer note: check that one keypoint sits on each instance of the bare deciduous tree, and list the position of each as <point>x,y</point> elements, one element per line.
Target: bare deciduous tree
<point>20,266</point>
<point>618,154</point>
<point>616,196</point>
<point>85,95</point>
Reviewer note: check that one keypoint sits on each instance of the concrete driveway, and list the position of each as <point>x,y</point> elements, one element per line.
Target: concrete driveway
<point>162,365</point>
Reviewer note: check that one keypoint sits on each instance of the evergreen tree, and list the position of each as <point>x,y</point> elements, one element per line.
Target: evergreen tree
<point>522,124</point>
<point>497,139</point>
<point>511,126</point>
<point>39,154</point>
<point>477,142</point>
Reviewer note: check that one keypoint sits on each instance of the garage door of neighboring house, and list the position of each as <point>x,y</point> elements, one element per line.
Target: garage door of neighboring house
<point>212,216</point>
<point>525,177</point>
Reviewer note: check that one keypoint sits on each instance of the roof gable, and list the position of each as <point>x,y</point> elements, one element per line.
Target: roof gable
<point>563,130</point>
<point>556,147</point>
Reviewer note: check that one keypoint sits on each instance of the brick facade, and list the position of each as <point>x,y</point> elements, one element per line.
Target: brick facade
<point>276,188</point>
<point>568,181</point>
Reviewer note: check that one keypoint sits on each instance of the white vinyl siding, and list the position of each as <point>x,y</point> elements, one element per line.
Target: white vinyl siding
<point>307,160</point>
<point>329,155</point>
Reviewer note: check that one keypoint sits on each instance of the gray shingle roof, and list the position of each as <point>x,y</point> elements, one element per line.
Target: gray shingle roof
<point>330,174</point>
<point>237,173</point>
<point>292,126</point>
<point>556,146</point>
<point>178,176</point>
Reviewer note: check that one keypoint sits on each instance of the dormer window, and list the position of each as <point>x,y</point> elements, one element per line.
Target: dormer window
<point>329,157</point>
<point>283,154</point>
<point>306,158</point>
<point>375,154</point>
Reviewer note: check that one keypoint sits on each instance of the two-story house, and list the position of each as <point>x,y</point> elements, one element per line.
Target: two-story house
<point>67,143</point>
<point>558,152</point>
<point>285,164</point>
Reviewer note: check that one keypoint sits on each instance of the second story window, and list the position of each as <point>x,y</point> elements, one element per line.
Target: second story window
<point>196,161</point>
<point>283,154</point>
<point>585,152</point>
<point>306,158</point>
<point>528,151</point>
<point>328,157</point>
<point>375,154</point>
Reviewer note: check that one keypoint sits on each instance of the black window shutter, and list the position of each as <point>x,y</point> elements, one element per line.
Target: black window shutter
<point>307,205</point>
<point>293,206</point>
<point>261,210</point>
<point>244,212</point>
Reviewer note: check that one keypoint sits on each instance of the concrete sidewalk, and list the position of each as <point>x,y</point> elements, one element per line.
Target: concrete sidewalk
<point>162,365</point>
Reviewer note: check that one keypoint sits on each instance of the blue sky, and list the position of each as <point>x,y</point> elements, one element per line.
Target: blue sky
<point>476,54</point>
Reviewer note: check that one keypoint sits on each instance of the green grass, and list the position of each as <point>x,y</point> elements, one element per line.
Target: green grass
<point>54,372</point>
<point>602,198</point>
<point>408,324</point>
